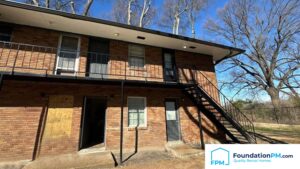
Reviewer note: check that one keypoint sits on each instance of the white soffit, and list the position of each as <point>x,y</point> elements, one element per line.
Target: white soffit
<point>46,20</point>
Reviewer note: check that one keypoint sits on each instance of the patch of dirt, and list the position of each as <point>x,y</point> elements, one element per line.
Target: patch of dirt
<point>163,160</point>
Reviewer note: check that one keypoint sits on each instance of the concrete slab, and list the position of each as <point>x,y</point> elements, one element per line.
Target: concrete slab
<point>74,161</point>
<point>13,164</point>
<point>182,150</point>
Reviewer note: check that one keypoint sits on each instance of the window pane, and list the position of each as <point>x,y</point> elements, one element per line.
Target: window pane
<point>133,115</point>
<point>4,38</point>
<point>5,33</point>
<point>68,53</point>
<point>136,56</point>
<point>171,111</point>
<point>136,111</point>
<point>136,62</point>
<point>168,61</point>
<point>67,60</point>
<point>135,50</point>
<point>69,43</point>
<point>132,122</point>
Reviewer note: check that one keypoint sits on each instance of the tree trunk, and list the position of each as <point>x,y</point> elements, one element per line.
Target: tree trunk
<point>129,12</point>
<point>142,14</point>
<point>274,94</point>
<point>47,3</point>
<point>35,2</point>
<point>176,25</point>
<point>87,7</point>
<point>72,5</point>
<point>193,29</point>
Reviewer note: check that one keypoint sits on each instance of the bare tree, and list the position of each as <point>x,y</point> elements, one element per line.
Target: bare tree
<point>172,14</point>
<point>47,3</point>
<point>269,31</point>
<point>129,11</point>
<point>146,12</point>
<point>193,12</point>
<point>72,6</point>
<point>35,2</point>
<point>87,7</point>
<point>134,12</point>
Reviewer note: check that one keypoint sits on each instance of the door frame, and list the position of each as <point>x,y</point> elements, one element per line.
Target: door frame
<point>83,116</point>
<point>172,52</point>
<point>176,101</point>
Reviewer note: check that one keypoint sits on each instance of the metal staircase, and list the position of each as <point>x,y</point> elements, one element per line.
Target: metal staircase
<point>220,110</point>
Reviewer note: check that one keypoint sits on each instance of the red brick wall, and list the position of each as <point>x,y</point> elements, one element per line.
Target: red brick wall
<point>21,106</point>
<point>22,103</point>
<point>118,64</point>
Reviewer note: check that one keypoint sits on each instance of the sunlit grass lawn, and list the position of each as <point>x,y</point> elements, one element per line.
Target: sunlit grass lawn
<point>282,132</point>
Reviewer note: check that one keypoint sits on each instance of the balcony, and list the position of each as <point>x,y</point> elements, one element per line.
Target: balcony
<point>43,61</point>
<point>26,59</point>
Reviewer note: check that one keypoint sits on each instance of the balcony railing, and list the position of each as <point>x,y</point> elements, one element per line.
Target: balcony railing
<point>18,58</point>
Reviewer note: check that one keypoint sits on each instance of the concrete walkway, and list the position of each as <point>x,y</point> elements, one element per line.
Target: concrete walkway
<point>182,150</point>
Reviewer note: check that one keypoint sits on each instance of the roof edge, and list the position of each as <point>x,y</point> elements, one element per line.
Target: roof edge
<point>111,23</point>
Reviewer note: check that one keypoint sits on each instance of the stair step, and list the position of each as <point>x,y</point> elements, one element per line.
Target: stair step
<point>200,99</point>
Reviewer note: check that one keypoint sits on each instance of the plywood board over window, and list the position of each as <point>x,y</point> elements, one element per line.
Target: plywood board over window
<point>59,117</point>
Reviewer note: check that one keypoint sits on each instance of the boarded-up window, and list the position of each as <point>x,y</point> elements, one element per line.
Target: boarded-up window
<point>59,117</point>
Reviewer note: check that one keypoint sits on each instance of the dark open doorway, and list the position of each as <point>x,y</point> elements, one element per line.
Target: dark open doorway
<point>93,122</point>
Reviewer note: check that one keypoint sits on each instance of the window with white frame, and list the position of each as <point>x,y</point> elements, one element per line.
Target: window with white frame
<point>68,53</point>
<point>136,56</point>
<point>136,111</point>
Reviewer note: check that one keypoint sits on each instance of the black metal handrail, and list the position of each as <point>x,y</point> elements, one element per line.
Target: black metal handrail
<point>229,108</point>
<point>43,60</point>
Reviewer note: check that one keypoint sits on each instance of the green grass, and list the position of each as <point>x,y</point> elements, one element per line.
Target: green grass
<point>287,133</point>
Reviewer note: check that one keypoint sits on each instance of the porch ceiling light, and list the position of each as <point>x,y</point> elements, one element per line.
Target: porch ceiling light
<point>116,34</point>
<point>184,47</point>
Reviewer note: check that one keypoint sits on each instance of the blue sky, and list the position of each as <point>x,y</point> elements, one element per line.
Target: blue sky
<point>102,9</point>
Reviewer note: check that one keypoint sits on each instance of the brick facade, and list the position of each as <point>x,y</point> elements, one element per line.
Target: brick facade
<point>23,104</point>
<point>42,58</point>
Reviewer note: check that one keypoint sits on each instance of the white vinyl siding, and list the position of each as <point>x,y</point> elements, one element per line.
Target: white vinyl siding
<point>136,56</point>
<point>136,111</point>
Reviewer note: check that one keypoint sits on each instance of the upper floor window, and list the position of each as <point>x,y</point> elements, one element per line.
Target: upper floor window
<point>68,53</point>
<point>136,111</point>
<point>136,56</point>
<point>5,33</point>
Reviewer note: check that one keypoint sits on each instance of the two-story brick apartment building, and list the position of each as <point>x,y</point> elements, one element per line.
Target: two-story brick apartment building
<point>70,82</point>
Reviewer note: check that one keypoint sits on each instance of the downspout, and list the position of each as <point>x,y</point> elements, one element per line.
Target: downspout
<point>121,122</point>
